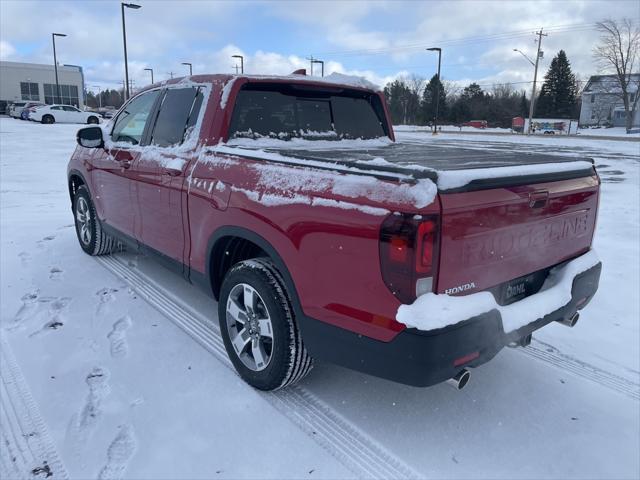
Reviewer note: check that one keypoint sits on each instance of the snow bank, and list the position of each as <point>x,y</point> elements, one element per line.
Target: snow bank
<point>432,311</point>
<point>449,179</point>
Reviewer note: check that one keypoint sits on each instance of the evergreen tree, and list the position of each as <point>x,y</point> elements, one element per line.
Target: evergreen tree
<point>428,103</point>
<point>403,102</point>
<point>558,95</point>
<point>524,106</point>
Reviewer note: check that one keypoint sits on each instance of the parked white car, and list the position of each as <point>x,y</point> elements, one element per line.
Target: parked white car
<point>63,114</point>
<point>16,110</point>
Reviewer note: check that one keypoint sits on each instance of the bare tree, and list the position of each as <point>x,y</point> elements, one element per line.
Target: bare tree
<point>601,109</point>
<point>618,51</point>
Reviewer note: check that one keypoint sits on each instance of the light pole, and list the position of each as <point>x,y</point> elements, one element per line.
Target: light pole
<point>435,118</point>
<point>150,70</point>
<point>124,39</point>
<point>241,62</point>
<point>190,67</point>
<point>99,96</point>
<point>535,77</point>
<point>321,62</point>
<point>55,62</point>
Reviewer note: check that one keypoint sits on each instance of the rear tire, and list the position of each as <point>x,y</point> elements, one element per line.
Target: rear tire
<point>48,119</point>
<point>92,238</point>
<point>281,358</point>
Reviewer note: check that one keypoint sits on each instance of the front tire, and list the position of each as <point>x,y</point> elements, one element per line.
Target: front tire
<point>92,120</point>
<point>92,238</point>
<point>258,327</point>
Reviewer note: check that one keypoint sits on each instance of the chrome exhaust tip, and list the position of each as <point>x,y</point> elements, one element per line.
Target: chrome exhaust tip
<point>571,321</point>
<point>522,342</point>
<point>460,380</point>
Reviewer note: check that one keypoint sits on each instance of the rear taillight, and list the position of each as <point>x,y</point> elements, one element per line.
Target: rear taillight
<point>408,254</point>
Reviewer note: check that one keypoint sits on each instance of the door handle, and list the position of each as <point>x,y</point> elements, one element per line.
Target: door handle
<point>125,163</point>
<point>173,172</point>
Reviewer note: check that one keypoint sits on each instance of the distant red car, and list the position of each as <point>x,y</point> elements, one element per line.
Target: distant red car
<point>312,248</point>
<point>475,124</point>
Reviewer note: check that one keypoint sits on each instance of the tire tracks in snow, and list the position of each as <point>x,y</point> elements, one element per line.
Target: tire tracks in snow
<point>27,450</point>
<point>551,355</point>
<point>342,439</point>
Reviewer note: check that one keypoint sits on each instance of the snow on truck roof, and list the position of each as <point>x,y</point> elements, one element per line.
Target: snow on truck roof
<point>334,80</point>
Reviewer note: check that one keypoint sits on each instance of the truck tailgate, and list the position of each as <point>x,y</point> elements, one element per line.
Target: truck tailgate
<point>489,237</point>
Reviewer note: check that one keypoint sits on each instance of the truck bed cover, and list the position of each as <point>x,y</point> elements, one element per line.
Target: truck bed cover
<point>481,168</point>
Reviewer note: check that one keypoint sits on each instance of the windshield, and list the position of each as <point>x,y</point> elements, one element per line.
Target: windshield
<point>299,111</point>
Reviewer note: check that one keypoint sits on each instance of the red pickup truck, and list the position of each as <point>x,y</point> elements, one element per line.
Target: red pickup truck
<point>288,200</point>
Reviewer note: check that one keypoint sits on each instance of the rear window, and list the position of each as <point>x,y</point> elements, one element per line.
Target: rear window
<point>286,111</point>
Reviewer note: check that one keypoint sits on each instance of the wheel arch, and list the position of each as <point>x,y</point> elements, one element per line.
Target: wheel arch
<point>75,180</point>
<point>244,241</point>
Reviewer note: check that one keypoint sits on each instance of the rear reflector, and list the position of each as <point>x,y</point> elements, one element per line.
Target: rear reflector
<point>466,359</point>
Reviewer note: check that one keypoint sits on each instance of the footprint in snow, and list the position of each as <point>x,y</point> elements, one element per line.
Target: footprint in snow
<point>118,337</point>
<point>31,308</point>
<point>57,308</point>
<point>105,297</point>
<point>82,424</point>
<point>119,454</point>
<point>55,273</point>
<point>43,242</point>
<point>27,310</point>
<point>25,258</point>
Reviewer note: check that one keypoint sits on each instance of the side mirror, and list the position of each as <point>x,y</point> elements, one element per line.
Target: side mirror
<point>90,137</point>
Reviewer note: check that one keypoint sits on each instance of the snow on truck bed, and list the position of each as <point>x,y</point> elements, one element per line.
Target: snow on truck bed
<point>448,168</point>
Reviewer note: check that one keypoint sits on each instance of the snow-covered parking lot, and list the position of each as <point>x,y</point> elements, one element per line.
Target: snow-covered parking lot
<point>113,367</point>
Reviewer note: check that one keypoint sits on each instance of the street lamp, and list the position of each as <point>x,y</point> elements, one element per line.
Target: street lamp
<point>55,62</point>
<point>321,62</point>
<point>190,67</point>
<point>435,118</point>
<point>241,62</point>
<point>150,70</point>
<point>124,39</point>
<point>525,56</point>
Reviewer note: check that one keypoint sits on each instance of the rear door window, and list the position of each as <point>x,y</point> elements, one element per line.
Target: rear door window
<point>178,112</point>
<point>129,126</point>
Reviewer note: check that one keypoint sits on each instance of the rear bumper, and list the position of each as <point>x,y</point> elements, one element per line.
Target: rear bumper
<point>421,358</point>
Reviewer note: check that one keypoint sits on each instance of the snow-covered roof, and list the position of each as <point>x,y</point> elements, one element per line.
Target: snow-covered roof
<point>610,84</point>
<point>334,79</point>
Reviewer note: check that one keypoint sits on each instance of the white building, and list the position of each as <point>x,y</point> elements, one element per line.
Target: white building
<point>33,81</point>
<point>602,101</point>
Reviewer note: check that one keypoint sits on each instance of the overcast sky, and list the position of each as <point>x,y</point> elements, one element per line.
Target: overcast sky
<point>380,40</point>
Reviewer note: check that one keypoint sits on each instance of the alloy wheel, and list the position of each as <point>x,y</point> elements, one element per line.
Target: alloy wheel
<point>83,220</point>
<point>249,326</point>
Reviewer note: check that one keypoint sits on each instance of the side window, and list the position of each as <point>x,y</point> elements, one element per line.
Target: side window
<point>56,108</point>
<point>70,109</point>
<point>129,126</point>
<point>178,111</point>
